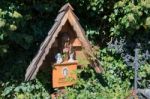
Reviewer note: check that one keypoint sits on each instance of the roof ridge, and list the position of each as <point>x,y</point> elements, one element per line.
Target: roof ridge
<point>65,7</point>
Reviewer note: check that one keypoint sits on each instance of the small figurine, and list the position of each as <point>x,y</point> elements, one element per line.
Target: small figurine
<point>58,58</point>
<point>71,55</point>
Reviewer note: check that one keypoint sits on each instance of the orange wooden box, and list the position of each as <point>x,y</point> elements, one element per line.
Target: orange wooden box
<point>64,74</point>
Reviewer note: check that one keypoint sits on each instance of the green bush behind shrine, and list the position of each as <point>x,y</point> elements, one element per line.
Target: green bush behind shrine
<point>117,27</point>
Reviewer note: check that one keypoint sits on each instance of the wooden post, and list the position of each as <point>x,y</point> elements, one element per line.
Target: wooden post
<point>59,92</point>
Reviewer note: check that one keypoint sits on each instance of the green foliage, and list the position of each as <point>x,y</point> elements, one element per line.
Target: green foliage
<point>127,18</point>
<point>24,24</point>
<point>131,21</point>
<point>8,24</point>
<point>92,88</point>
<point>118,72</point>
<point>25,90</point>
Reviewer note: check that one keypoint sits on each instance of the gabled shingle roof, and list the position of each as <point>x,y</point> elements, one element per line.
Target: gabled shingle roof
<point>65,14</point>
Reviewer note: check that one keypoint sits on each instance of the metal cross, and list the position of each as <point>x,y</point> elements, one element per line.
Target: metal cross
<point>136,62</point>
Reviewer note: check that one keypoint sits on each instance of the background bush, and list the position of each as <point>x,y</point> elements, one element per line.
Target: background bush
<point>117,26</point>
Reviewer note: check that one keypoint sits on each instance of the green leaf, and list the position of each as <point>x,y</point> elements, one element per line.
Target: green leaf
<point>16,15</point>
<point>17,89</point>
